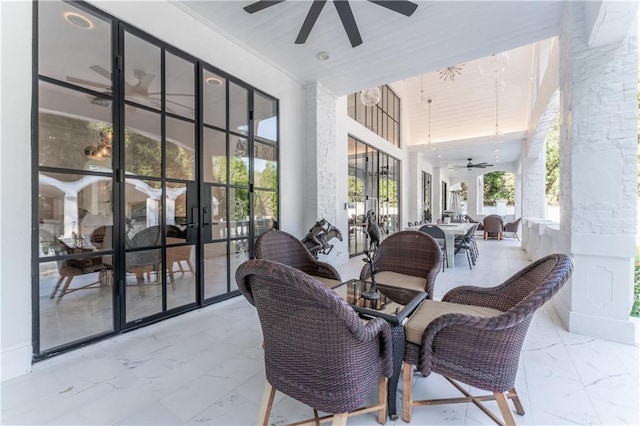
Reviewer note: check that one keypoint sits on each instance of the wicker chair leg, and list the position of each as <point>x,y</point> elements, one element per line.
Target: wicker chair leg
<point>55,289</point>
<point>503,404</point>
<point>486,235</point>
<point>382,399</point>
<point>265,406</point>
<point>340,419</point>
<point>407,401</point>
<point>513,396</point>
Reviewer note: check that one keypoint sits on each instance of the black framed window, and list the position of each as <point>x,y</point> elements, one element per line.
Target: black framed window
<point>382,119</point>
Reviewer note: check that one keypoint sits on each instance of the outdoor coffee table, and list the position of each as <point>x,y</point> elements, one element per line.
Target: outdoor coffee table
<point>394,305</point>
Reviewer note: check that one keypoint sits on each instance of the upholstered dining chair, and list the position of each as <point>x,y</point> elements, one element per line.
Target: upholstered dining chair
<point>316,348</point>
<point>407,259</point>
<point>438,234</point>
<point>512,227</point>
<point>475,336</point>
<point>282,247</point>
<point>493,224</point>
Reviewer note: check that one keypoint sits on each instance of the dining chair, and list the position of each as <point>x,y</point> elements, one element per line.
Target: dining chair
<point>465,242</point>
<point>317,350</point>
<point>282,247</point>
<point>438,234</point>
<point>406,259</point>
<point>475,336</point>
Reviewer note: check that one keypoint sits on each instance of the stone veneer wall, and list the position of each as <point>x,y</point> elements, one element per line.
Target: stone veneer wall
<point>598,177</point>
<point>321,160</point>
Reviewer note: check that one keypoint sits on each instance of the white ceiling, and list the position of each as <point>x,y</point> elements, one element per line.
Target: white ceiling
<point>397,49</point>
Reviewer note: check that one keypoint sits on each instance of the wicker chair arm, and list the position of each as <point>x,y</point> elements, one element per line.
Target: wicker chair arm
<point>491,297</point>
<point>326,270</point>
<point>486,329</point>
<point>378,328</point>
<point>365,272</point>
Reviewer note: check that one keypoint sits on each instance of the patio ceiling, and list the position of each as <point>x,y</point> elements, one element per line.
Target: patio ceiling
<point>397,49</point>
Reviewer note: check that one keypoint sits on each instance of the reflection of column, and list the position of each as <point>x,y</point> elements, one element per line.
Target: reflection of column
<point>70,213</point>
<point>171,211</point>
<point>152,212</point>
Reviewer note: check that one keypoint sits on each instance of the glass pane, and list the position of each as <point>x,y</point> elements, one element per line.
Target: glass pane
<point>142,72</point>
<point>142,205</point>
<point>182,277</point>
<point>239,173</point>
<point>351,105</point>
<point>176,206</point>
<point>215,156</point>
<point>361,161</point>
<point>143,290</point>
<point>75,298</point>
<point>238,109</point>
<point>88,63</point>
<point>265,166</point>
<point>359,110</point>
<point>218,213</point>
<point>239,204</point>
<point>239,255</point>
<point>143,148</point>
<point>73,133</point>
<point>352,152</point>
<point>215,269</point>
<point>180,149</point>
<point>265,211</point>
<point>265,118</point>
<point>214,92</point>
<point>71,209</point>
<point>180,96</point>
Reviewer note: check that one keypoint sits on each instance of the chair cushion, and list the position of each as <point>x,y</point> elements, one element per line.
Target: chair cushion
<point>396,279</point>
<point>431,309</point>
<point>327,281</point>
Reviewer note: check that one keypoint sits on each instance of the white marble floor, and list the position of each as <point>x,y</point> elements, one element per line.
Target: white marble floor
<point>206,367</point>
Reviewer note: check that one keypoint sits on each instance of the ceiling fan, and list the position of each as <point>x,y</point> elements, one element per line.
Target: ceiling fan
<point>470,165</point>
<point>403,7</point>
<point>138,92</point>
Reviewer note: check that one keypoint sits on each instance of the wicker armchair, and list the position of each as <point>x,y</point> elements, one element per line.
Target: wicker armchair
<point>407,259</point>
<point>512,227</point>
<point>475,335</point>
<point>493,224</point>
<point>316,348</point>
<point>281,247</point>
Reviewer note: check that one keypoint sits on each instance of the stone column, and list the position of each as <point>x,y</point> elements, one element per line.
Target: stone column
<point>533,182</point>
<point>472,196</point>
<point>321,161</point>
<point>598,171</point>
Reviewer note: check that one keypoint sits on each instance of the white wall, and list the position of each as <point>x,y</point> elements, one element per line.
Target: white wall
<point>15,188</point>
<point>170,24</point>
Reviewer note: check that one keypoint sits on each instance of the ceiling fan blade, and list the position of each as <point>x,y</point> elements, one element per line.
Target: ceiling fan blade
<point>348,22</point>
<point>404,7</point>
<point>100,70</point>
<point>259,5</point>
<point>310,20</point>
<point>76,80</point>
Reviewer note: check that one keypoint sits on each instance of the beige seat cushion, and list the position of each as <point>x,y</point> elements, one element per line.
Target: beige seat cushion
<point>327,281</point>
<point>395,279</point>
<point>431,309</point>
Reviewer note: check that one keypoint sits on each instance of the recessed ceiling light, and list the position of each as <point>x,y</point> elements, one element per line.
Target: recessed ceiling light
<point>213,81</point>
<point>438,155</point>
<point>444,161</point>
<point>78,20</point>
<point>323,56</point>
<point>496,151</point>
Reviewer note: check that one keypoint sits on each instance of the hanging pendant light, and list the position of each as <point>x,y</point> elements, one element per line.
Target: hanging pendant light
<point>371,96</point>
<point>429,141</point>
<point>492,66</point>
<point>498,136</point>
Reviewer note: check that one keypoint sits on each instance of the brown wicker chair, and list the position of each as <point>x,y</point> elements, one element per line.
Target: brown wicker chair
<point>279,246</point>
<point>513,227</point>
<point>407,259</point>
<point>472,220</point>
<point>492,224</point>
<point>316,348</point>
<point>475,335</point>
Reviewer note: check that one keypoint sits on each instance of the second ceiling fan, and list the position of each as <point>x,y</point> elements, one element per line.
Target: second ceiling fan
<point>404,7</point>
<point>470,165</point>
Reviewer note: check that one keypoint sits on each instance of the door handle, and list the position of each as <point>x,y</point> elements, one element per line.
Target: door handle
<point>192,225</point>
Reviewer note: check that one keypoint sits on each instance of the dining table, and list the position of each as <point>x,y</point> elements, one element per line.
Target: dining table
<point>451,231</point>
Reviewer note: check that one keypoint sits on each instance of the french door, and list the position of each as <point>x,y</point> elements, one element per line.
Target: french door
<point>154,173</point>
